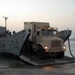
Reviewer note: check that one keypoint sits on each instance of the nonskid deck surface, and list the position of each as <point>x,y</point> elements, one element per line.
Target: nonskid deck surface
<point>49,61</point>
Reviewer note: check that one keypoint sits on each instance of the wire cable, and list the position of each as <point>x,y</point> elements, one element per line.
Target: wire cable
<point>70,48</point>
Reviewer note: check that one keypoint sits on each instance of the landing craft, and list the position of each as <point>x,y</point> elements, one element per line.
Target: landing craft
<point>38,41</point>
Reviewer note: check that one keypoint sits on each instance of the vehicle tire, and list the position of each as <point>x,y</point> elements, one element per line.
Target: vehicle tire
<point>60,55</point>
<point>41,51</point>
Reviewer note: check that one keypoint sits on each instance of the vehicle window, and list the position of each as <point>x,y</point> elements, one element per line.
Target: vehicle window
<point>49,32</point>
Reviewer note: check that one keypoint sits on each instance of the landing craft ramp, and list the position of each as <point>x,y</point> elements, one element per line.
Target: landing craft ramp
<point>49,61</point>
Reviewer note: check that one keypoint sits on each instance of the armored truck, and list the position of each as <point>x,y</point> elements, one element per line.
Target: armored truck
<point>46,39</point>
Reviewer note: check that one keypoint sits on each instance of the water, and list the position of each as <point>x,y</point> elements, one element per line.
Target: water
<point>72,45</point>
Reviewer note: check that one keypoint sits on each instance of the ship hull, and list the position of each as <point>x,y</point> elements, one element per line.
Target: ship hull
<point>13,44</point>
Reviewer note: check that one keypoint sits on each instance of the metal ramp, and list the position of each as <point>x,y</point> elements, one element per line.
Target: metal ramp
<point>50,61</point>
<point>65,34</point>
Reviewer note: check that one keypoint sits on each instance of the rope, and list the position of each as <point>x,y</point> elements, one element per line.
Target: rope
<point>70,48</point>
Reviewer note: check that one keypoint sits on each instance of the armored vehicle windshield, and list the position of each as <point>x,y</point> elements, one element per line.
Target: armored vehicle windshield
<point>49,33</point>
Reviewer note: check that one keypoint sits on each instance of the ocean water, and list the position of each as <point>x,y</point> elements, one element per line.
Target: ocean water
<point>72,46</point>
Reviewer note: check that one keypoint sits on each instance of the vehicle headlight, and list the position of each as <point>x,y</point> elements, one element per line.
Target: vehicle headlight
<point>64,47</point>
<point>46,49</point>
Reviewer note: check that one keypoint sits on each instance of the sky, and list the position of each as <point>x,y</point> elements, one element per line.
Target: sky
<point>59,13</point>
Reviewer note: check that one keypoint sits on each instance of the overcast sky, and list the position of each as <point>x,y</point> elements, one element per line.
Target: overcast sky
<point>59,13</point>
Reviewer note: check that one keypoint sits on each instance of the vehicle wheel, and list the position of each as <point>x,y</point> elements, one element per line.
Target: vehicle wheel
<point>60,55</point>
<point>41,51</point>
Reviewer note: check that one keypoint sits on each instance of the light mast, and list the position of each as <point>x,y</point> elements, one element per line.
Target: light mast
<point>5,21</point>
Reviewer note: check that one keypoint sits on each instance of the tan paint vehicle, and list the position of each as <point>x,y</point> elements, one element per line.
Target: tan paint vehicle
<point>46,38</point>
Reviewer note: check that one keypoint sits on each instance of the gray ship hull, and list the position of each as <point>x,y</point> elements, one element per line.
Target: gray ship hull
<point>13,44</point>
